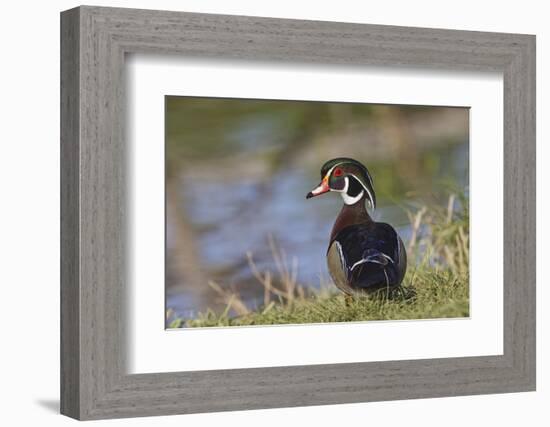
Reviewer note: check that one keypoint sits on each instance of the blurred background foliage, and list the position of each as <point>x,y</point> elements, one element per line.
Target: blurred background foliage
<point>238,170</point>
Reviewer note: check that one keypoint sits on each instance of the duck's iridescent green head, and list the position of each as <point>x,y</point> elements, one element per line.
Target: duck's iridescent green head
<point>348,177</point>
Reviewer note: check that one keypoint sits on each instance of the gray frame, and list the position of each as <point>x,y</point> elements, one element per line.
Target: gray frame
<point>94,41</point>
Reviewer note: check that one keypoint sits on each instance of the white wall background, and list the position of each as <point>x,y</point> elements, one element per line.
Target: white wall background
<point>29,212</point>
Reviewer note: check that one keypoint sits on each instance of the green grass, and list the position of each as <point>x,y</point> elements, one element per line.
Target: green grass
<point>436,284</point>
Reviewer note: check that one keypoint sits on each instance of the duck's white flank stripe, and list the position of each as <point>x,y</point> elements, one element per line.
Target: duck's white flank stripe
<point>364,260</point>
<point>341,253</point>
<point>387,257</point>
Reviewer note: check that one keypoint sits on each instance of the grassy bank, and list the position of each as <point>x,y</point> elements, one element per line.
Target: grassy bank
<point>436,284</point>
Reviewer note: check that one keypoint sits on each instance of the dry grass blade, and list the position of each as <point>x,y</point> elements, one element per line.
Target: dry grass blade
<point>449,257</point>
<point>264,279</point>
<point>416,222</point>
<point>288,289</point>
<point>231,299</point>
<point>450,208</point>
<point>288,279</point>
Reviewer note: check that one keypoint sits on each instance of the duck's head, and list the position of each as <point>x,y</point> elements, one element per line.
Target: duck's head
<point>348,177</point>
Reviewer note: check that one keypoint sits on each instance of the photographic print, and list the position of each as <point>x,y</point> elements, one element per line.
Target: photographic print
<point>304,212</point>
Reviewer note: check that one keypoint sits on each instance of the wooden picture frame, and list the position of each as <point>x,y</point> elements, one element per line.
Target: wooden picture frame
<point>94,382</point>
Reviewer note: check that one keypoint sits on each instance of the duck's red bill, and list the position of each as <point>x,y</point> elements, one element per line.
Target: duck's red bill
<point>320,189</point>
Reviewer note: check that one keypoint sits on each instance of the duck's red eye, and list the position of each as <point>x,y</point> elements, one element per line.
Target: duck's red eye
<point>337,172</point>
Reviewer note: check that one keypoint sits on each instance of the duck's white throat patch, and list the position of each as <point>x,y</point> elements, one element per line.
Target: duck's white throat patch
<point>349,200</point>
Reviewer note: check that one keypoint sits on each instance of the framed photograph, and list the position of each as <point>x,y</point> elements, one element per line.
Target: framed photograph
<point>262,213</point>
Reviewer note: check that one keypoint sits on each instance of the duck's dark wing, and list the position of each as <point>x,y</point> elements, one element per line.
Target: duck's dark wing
<point>371,256</point>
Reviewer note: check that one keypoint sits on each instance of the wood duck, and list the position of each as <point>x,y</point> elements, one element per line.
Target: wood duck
<point>363,255</point>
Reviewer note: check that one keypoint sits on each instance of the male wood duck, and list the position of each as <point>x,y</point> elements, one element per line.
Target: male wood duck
<point>363,255</point>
